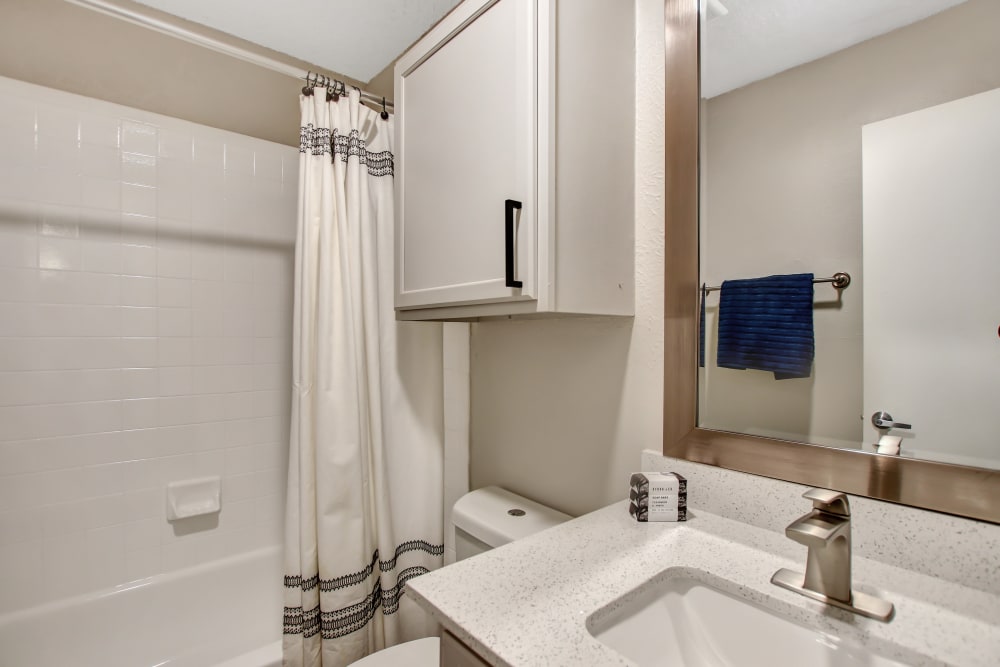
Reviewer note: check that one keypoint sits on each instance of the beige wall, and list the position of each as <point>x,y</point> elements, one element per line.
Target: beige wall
<point>784,196</point>
<point>561,409</point>
<point>60,45</point>
<point>383,82</point>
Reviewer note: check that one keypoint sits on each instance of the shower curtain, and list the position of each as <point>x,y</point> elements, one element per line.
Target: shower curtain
<point>365,497</point>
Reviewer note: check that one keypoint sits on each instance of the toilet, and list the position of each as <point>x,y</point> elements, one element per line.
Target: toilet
<point>482,520</point>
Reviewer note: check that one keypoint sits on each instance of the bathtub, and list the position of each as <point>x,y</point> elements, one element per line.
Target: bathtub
<point>226,613</point>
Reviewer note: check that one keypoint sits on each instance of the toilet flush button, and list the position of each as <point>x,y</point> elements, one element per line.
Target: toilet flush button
<point>515,512</point>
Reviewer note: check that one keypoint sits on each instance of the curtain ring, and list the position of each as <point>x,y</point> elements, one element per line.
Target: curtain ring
<point>307,89</point>
<point>384,114</point>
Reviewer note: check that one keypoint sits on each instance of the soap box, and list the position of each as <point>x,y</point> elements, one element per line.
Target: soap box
<point>657,496</point>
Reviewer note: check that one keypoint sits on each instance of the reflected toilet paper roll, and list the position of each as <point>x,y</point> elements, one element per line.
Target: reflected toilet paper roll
<point>888,444</point>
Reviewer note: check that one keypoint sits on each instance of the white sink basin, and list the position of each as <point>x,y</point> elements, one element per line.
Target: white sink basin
<point>679,620</point>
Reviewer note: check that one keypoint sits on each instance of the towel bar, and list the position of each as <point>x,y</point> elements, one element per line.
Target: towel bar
<point>840,280</point>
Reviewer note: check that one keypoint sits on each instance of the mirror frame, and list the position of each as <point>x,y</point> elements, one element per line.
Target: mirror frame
<point>953,489</point>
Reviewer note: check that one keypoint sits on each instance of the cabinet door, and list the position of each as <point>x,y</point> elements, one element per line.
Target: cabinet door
<point>465,145</point>
<point>456,654</point>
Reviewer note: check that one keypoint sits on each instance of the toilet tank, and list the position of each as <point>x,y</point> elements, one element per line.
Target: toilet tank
<point>491,517</point>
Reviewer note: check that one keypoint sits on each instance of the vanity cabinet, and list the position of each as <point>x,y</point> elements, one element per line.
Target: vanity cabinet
<point>456,654</point>
<point>514,167</point>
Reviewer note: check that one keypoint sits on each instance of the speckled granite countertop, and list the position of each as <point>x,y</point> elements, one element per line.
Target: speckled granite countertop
<point>528,603</point>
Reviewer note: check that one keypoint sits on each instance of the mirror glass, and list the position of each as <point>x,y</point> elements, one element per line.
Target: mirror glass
<point>857,137</point>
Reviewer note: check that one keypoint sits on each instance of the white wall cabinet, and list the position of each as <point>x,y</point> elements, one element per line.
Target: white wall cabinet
<point>514,162</point>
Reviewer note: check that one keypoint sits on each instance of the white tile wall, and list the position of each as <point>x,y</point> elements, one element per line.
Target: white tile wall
<point>145,323</point>
<point>456,423</point>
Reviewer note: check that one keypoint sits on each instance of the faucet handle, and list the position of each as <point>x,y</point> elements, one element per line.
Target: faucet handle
<point>832,502</point>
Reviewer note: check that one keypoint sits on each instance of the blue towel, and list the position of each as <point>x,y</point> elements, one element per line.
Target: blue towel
<point>767,324</point>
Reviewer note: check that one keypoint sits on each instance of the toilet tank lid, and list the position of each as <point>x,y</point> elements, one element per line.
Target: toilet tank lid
<point>484,514</point>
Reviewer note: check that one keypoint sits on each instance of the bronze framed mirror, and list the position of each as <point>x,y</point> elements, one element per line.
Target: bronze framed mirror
<point>967,491</point>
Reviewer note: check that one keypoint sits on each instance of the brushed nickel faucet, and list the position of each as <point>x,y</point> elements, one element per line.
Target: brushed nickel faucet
<point>826,531</point>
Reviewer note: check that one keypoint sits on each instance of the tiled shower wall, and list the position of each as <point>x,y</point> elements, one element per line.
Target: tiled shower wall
<point>145,309</point>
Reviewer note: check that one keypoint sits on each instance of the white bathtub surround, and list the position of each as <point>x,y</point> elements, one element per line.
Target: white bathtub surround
<point>195,617</point>
<point>531,602</point>
<point>145,322</point>
<point>365,487</point>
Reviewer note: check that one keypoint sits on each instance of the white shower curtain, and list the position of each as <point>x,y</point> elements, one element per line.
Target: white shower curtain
<point>365,497</point>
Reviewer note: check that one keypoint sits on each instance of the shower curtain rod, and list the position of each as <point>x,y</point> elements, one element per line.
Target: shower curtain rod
<point>337,87</point>
<point>178,32</point>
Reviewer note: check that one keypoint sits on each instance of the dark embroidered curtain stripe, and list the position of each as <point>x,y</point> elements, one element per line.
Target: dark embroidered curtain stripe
<point>320,141</point>
<point>296,581</point>
<point>411,545</point>
<point>343,621</point>
<point>335,583</point>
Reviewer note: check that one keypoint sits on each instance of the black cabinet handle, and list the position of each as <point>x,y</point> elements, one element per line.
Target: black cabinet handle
<point>510,205</point>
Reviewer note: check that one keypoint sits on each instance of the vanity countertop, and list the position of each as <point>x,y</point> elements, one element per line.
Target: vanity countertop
<point>527,603</point>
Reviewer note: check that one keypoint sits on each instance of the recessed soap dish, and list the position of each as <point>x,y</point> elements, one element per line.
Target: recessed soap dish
<point>193,497</point>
